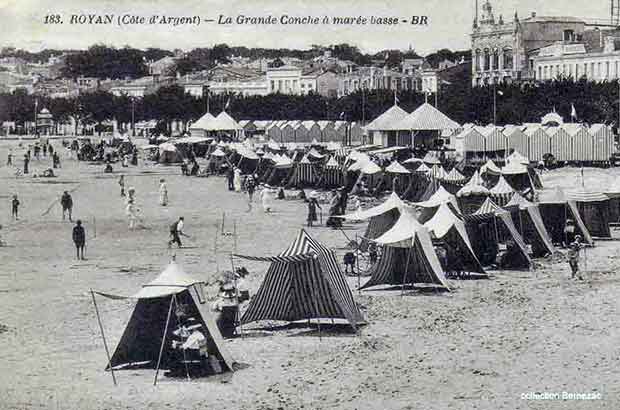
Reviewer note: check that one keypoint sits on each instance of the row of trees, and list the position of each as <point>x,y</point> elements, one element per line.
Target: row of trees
<point>594,102</point>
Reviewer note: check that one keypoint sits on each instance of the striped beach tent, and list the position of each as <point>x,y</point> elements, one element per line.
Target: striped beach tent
<point>517,140</point>
<point>408,256</point>
<point>561,143</point>
<point>332,174</point>
<point>539,142</point>
<point>603,140</point>
<point>495,138</point>
<point>490,167</point>
<point>594,210</point>
<point>473,140</point>
<point>556,210</point>
<point>304,174</point>
<point>455,177</point>
<point>473,194</point>
<point>303,282</point>
<point>502,191</point>
<point>583,143</point>
<point>438,172</point>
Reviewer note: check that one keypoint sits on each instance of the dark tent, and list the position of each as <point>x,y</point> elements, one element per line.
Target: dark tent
<point>408,256</point>
<point>304,282</point>
<point>556,209</point>
<point>594,210</point>
<point>155,318</point>
<point>528,221</point>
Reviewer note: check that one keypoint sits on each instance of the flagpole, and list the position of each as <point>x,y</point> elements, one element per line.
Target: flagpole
<point>494,103</point>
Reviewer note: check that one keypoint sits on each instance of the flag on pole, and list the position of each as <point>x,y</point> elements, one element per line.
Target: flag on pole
<point>396,101</point>
<point>573,111</point>
<point>499,92</point>
<point>342,115</point>
<point>227,104</point>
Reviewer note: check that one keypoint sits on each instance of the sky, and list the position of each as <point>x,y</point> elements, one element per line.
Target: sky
<point>450,22</point>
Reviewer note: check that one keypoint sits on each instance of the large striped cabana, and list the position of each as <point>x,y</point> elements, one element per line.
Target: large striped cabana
<point>304,282</point>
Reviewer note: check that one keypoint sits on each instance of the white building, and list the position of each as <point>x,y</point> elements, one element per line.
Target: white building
<point>285,79</point>
<point>579,60</point>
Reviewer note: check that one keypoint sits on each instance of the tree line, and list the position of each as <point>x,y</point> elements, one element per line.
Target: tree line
<point>516,104</point>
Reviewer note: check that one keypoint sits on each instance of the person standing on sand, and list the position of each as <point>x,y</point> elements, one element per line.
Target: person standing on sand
<point>176,231</point>
<point>573,257</point>
<point>121,183</point>
<point>237,180</point>
<point>163,192</point>
<point>15,208</point>
<point>312,206</point>
<point>569,233</point>
<point>67,204</point>
<point>250,186</point>
<point>79,239</point>
<point>9,158</point>
<point>230,177</point>
<point>132,214</point>
<point>266,197</point>
<point>26,162</point>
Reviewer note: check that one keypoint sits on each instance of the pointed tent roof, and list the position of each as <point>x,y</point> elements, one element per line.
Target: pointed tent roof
<point>412,160</point>
<point>518,200</point>
<point>313,152</point>
<point>370,168</point>
<point>305,160</point>
<point>489,207</point>
<point>490,167</point>
<point>396,168</point>
<point>218,153</point>
<point>440,196</point>
<point>514,168</point>
<point>438,172</point>
<point>423,168</point>
<point>474,186</point>
<point>332,163</point>
<point>224,122</point>
<point>426,117</point>
<point>388,120</point>
<point>502,187</point>
<point>392,202</point>
<point>273,145</point>
<point>455,176</point>
<point>518,158</point>
<point>431,159</point>
<point>171,281</point>
<point>405,233</point>
<point>203,122</point>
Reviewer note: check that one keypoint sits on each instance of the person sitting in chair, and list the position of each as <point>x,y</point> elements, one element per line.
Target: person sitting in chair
<point>227,307</point>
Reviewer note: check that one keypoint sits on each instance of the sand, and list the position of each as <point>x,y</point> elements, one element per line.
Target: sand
<point>480,347</point>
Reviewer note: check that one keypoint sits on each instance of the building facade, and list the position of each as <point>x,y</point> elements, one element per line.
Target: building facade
<point>501,49</point>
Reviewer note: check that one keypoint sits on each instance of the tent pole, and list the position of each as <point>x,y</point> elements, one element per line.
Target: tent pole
<point>496,231</point>
<point>357,263</point>
<point>402,288</point>
<point>163,340</point>
<point>232,264</point>
<point>105,344</point>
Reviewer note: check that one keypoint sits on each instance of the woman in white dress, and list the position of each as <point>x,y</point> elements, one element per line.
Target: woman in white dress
<point>237,180</point>
<point>131,212</point>
<point>163,192</point>
<point>266,197</point>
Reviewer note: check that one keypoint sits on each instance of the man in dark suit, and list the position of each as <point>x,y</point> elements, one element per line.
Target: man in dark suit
<point>79,239</point>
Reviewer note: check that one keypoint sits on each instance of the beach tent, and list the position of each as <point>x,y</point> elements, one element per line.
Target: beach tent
<point>556,209</point>
<point>503,231</point>
<point>594,210</point>
<point>438,172</point>
<point>502,191</point>
<point>539,143</point>
<point>439,197</point>
<point>446,226</point>
<point>398,177</point>
<point>455,177</point>
<point>517,140</point>
<point>613,193</point>
<point>408,256</point>
<point>304,174</point>
<point>490,168</point>
<point>303,282</point>
<point>516,157</point>
<point>332,174</point>
<point>147,337</point>
<point>431,159</point>
<point>473,194</point>
<point>169,154</point>
<point>202,125</point>
<point>526,216</point>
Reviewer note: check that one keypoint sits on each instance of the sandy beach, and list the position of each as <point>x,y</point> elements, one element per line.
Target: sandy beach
<point>483,346</point>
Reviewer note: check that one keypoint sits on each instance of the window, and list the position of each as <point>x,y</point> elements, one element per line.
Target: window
<point>539,72</point>
<point>279,85</point>
<point>487,60</point>
<point>607,69</point>
<point>569,35</point>
<point>495,60</point>
<point>273,85</point>
<point>477,60</point>
<point>508,59</point>
<point>576,71</point>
